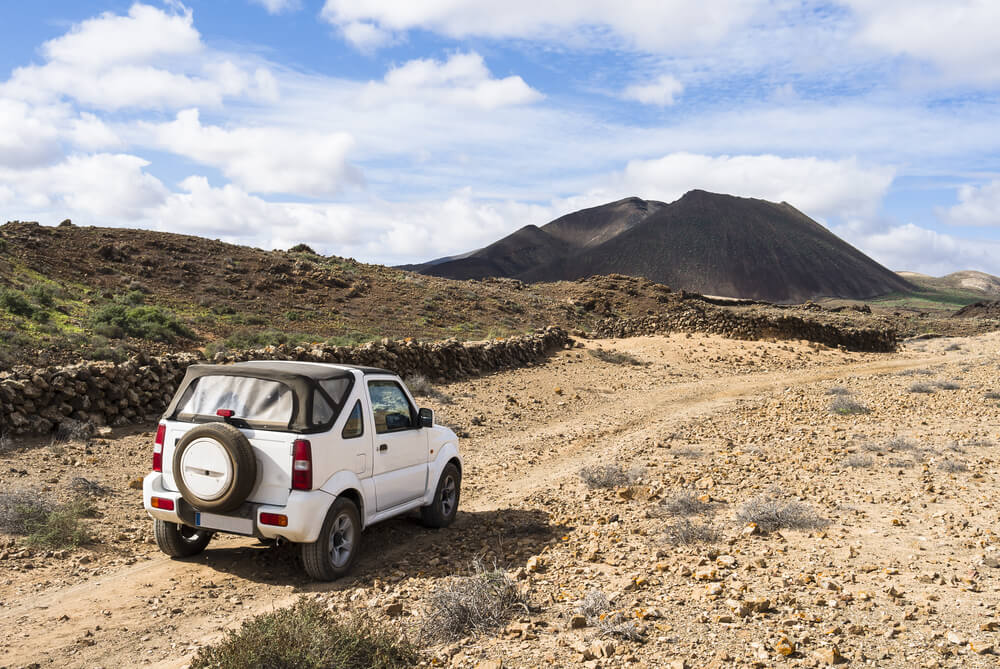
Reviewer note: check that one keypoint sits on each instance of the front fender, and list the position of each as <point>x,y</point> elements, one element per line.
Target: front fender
<point>346,481</point>
<point>443,455</point>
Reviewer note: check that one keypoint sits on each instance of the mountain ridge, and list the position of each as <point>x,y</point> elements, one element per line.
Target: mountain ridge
<point>703,242</point>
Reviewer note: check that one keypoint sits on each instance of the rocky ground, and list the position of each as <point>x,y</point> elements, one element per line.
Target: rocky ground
<point>891,561</point>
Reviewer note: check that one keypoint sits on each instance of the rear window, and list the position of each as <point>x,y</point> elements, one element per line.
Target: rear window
<point>253,400</point>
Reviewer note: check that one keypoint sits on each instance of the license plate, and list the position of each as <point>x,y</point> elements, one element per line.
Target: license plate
<point>213,521</point>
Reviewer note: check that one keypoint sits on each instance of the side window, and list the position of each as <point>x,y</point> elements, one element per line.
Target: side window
<point>322,411</point>
<point>355,426</point>
<point>390,407</point>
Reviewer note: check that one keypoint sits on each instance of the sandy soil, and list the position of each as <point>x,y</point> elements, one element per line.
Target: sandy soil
<point>903,573</point>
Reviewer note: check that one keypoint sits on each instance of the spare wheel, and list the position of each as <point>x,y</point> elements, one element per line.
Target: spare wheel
<point>214,467</point>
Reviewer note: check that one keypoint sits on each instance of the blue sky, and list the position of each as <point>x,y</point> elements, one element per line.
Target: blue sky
<point>394,131</point>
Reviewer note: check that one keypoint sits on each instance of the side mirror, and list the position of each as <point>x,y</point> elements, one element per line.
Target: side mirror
<point>426,418</point>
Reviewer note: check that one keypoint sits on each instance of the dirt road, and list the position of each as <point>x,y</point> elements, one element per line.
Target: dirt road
<point>718,417</point>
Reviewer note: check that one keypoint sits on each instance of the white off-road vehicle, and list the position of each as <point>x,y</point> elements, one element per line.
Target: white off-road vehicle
<point>310,453</point>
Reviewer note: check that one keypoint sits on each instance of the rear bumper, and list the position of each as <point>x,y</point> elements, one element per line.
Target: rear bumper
<point>305,512</point>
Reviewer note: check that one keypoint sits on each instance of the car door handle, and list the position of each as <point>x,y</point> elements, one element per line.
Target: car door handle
<point>382,448</point>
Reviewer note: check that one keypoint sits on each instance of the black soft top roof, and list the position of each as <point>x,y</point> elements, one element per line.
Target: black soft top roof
<point>301,377</point>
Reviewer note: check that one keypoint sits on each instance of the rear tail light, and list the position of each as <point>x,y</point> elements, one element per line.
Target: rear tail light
<point>274,519</point>
<point>162,503</point>
<point>302,465</point>
<point>161,432</point>
<point>225,413</point>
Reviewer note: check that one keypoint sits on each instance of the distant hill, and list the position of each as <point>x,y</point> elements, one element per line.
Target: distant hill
<point>974,283</point>
<point>704,242</point>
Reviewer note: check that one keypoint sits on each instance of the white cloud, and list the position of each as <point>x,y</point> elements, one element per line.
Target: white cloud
<point>279,6</point>
<point>261,159</point>
<point>660,91</point>
<point>814,186</point>
<point>462,80</point>
<point>654,25</point>
<point>98,187</point>
<point>977,206</point>
<point>149,58</point>
<point>393,233</point>
<point>959,36</point>
<point>365,36</point>
<point>26,139</point>
<point>913,248</point>
<point>109,40</point>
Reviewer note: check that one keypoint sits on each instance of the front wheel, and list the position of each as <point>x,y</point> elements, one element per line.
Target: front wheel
<point>332,555</point>
<point>178,540</point>
<point>442,509</point>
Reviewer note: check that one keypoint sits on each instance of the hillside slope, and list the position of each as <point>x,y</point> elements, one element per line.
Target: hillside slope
<point>704,242</point>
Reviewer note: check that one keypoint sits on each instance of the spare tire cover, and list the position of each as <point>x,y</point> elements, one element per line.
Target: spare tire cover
<point>214,467</point>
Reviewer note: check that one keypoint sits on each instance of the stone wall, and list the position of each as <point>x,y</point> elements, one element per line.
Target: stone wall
<point>43,399</point>
<point>738,325</point>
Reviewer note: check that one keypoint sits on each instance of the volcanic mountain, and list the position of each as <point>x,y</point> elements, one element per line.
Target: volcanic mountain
<point>704,242</point>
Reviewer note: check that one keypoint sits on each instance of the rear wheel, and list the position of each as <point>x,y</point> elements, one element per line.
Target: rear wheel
<point>178,540</point>
<point>332,555</point>
<point>442,509</point>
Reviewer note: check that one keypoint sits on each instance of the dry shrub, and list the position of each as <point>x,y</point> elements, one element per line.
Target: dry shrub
<point>925,388</point>
<point>421,386</point>
<point>310,636</point>
<point>84,486</point>
<point>614,357</point>
<point>594,604</point>
<point>617,625</point>
<point>858,461</point>
<point>770,514</point>
<point>474,604</point>
<point>682,532</point>
<point>953,466</point>
<point>845,406</point>
<point>685,504</point>
<point>838,390</point>
<point>609,476</point>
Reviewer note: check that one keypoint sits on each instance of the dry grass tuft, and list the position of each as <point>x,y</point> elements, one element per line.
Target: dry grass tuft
<point>609,476</point>
<point>472,604</point>
<point>924,388</point>
<point>845,406</point>
<point>683,532</point>
<point>770,514</point>
<point>859,461</point>
<point>953,466</point>
<point>685,504</point>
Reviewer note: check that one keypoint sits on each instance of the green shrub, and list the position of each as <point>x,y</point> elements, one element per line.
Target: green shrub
<point>243,340</point>
<point>62,527</point>
<point>308,635</point>
<point>42,294</point>
<point>302,248</point>
<point>350,339</point>
<point>121,318</point>
<point>43,523</point>
<point>16,303</point>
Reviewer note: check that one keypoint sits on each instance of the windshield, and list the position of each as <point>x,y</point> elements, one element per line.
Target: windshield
<point>250,399</point>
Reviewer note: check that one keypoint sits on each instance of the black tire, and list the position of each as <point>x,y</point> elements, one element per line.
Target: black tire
<point>333,554</point>
<point>180,540</point>
<point>240,453</point>
<point>442,510</point>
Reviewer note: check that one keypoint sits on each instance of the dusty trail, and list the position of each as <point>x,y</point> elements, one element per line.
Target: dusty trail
<point>157,610</point>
